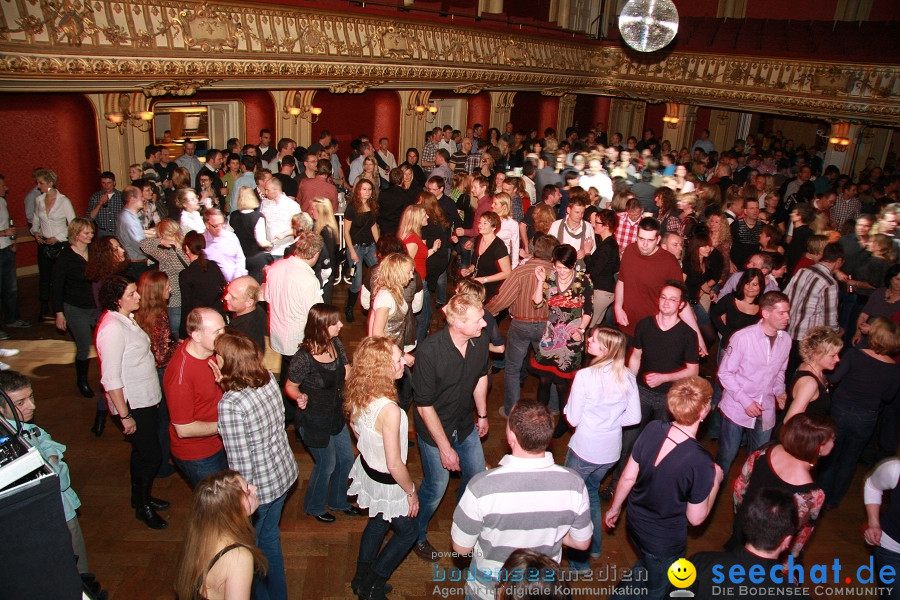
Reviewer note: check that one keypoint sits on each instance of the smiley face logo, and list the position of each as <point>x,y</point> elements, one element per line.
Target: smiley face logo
<point>682,573</point>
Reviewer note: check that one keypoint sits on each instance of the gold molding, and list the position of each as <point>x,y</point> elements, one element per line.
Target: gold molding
<point>103,45</point>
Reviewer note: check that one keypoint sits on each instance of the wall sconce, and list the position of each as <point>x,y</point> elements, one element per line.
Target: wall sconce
<point>671,118</point>
<point>123,116</point>
<point>426,112</point>
<point>839,138</point>
<point>308,112</point>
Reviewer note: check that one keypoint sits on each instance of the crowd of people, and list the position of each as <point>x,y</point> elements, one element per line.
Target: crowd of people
<point>626,266</point>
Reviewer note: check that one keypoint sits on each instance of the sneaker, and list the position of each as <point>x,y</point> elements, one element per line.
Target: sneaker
<point>19,324</point>
<point>6,352</point>
<point>4,366</point>
<point>4,335</point>
<point>426,551</point>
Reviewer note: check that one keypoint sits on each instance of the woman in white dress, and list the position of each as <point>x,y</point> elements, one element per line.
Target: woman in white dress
<point>381,481</point>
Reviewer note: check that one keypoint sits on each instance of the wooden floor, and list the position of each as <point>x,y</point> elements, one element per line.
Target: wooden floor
<point>136,563</point>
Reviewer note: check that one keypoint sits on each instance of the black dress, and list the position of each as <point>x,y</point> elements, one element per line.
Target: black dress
<point>822,404</point>
<point>244,226</point>
<point>487,264</point>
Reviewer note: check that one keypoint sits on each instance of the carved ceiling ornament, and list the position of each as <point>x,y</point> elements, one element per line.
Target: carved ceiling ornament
<point>138,42</point>
<point>176,87</point>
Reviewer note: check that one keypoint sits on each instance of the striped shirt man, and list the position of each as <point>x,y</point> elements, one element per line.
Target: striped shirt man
<point>524,503</point>
<point>813,293</point>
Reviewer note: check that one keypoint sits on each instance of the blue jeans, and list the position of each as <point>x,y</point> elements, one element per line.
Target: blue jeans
<point>431,491</point>
<point>855,427</point>
<point>329,475</point>
<point>175,319</point>
<point>442,288</point>
<point>521,336</point>
<point>886,557</point>
<point>197,470</point>
<point>649,577</point>
<point>730,436</point>
<point>366,254</point>
<point>385,562</point>
<point>9,286</point>
<point>273,585</point>
<point>593,475</point>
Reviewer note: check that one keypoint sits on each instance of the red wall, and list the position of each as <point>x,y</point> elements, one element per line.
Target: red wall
<point>347,116</point>
<point>479,110</point>
<point>532,110</point>
<point>589,110</point>
<point>55,131</point>
<point>653,119</point>
<point>703,117</point>
<point>698,8</point>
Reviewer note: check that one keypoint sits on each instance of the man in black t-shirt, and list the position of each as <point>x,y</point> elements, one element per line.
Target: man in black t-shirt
<point>769,529</point>
<point>247,316</point>
<point>665,350</point>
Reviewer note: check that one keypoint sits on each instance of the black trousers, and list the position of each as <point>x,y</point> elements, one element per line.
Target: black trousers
<point>145,451</point>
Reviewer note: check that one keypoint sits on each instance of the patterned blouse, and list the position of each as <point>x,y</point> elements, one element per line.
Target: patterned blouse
<point>558,353</point>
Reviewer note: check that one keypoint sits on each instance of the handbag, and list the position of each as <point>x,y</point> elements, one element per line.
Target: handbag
<point>52,251</point>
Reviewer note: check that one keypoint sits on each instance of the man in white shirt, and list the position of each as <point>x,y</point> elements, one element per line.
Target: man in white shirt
<point>386,160</point>
<point>286,147</point>
<point>222,246</point>
<point>447,142</point>
<point>574,230</point>
<point>291,288</point>
<point>597,178</point>
<point>278,210</point>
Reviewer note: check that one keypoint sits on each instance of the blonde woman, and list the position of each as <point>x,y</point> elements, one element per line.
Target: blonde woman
<point>249,225</point>
<point>509,227</point>
<point>808,389</point>
<point>52,214</point>
<point>380,478</point>
<point>410,233</point>
<point>189,203</point>
<point>388,315</point>
<point>327,227</point>
<point>603,399</point>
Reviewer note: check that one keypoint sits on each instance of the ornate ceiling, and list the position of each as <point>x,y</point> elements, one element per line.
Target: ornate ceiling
<point>178,47</point>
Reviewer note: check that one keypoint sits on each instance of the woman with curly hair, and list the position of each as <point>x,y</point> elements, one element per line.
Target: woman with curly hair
<point>219,555</point>
<point>387,318</point>
<point>491,264</point>
<point>360,234</point>
<point>380,478</point>
<point>808,390</point>
<point>669,215</point>
<point>128,375</point>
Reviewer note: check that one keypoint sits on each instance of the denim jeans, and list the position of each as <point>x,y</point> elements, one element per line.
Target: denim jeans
<point>81,322</point>
<point>855,427</point>
<point>272,585</point>
<point>730,435</point>
<point>366,255</point>
<point>521,336</point>
<point>593,475</point>
<point>649,577</point>
<point>465,256</point>
<point>423,319</point>
<point>175,320</point>
<point>9,286</point>
<point>886,557</point>
<point>197,470</point>
<point>431,492</point>
<point>386,561</point>
<point>328,479</point>
<point>442,288</point>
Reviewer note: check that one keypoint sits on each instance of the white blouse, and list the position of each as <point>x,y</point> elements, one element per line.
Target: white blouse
<point>56,223</point>
<point>126,361</point>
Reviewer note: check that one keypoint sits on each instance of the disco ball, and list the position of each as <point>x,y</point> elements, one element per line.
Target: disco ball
<point>648,25</point>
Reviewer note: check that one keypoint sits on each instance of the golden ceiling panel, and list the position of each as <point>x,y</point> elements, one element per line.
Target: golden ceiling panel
<point>103,45</point>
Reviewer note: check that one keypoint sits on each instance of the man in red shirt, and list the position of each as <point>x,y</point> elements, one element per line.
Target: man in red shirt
<point>313,187</point>
<point>192,397</point>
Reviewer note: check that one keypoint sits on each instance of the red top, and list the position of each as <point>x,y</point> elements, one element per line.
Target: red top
<point>192,394</point>
<point>421,254</point>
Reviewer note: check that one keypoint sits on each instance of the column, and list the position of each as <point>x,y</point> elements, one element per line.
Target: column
<point>120,146</point>
<point>679,135</point>
<point>501,107</point>
<point>626,117</point>
<point>566,114</point>
<point>413,125</point>
<point>723,128</point>
<point>874,142</point>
